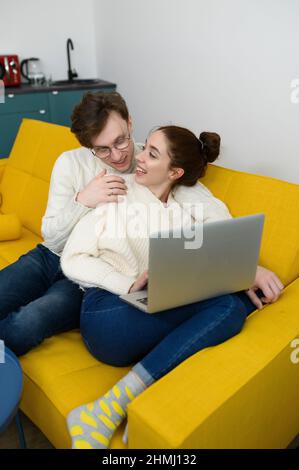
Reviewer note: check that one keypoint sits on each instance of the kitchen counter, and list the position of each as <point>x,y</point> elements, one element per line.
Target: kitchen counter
<point>26,88</point>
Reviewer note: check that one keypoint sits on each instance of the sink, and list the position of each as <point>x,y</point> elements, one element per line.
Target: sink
<point>79,81</point>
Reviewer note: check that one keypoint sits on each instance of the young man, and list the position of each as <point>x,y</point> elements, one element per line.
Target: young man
<point>36,300</point>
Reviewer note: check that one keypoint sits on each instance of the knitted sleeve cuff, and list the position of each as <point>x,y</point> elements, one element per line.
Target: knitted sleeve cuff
<point>78,204</point>
<point>118,283</point>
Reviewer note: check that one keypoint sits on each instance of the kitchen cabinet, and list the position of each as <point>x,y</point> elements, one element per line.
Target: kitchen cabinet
<point>62,103</point>
<point>54,105</point>
<point>9,126</point>
<point>15,108</point>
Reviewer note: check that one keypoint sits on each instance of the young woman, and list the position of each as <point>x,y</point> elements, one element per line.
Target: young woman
<point>109,261</point>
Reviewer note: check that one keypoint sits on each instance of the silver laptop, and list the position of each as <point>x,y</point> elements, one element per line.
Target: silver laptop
<point>226,262</point>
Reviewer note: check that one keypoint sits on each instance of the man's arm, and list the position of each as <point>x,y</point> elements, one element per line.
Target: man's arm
<point>63,211</point>
<point>66,205</point>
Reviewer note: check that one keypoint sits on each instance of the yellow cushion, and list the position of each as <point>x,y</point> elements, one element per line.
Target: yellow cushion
<point>10,227</point>
<point>242,393</point>
<point>25,182</point>
<point>60,375</point>
<point>11,250</point>
<point>3,162</point>
<point>245,194</point>
<point>3,263</point>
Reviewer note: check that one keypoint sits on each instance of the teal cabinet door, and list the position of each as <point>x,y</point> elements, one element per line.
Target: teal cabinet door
<point>15,108</point>
<point>62,103</point>
<point>31,102</point>
<point>9,126</point>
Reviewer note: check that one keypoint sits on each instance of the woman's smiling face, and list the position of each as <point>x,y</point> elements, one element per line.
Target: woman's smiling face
<point>153,168</point>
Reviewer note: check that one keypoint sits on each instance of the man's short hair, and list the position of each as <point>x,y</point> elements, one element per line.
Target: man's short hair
<point>90,116</point>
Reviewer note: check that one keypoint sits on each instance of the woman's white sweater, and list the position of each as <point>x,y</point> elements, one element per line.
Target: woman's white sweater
<point>109,246</point>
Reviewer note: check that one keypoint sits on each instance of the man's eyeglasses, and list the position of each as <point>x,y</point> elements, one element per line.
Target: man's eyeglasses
<point>105,152</point>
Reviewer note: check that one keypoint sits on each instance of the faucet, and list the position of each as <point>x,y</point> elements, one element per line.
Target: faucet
<point>71,72</point>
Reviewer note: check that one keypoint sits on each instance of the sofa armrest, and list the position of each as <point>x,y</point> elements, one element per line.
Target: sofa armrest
<point>239,394</point>
<point>3,162</point>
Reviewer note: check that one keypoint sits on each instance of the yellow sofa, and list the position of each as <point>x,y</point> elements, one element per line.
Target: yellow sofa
<point>240,394</point>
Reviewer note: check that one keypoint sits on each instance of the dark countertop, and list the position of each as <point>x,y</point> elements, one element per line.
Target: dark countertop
<point>26,88</point>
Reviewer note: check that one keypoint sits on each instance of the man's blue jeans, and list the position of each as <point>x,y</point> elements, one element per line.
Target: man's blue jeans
<point>36,300</point>
<point>119,334</point>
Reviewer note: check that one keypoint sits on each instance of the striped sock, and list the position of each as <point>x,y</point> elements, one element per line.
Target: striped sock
<point>92,425</point>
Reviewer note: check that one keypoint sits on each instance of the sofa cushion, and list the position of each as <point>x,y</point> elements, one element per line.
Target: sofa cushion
<point>60,375</point>
<point>246,194</point>
<point>3,263</point>
<point>25,182</point>
<point>242,393</point>
<point>10,227</point>
<point>3,162</point>
<point>11,250</point>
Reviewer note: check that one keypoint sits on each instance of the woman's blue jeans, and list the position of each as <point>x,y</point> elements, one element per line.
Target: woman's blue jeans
<point>119,334</point>
<point>36,300</point>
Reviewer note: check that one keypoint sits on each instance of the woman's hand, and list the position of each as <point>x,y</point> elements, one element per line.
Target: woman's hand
<point>269,284</point>
<point>140,282</point>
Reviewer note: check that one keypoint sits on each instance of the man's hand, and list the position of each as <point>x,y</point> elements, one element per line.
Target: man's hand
<point>268,283</point>
<point>140,282</point>
<point>102,188</point>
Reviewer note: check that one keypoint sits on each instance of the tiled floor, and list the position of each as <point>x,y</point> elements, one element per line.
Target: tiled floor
<point>34,438</point>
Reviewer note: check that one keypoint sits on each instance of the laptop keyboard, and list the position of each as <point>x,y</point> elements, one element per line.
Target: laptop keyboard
<point>143,301</point>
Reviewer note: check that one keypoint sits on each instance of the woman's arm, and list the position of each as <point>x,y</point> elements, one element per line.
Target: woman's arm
<point>81,262</point>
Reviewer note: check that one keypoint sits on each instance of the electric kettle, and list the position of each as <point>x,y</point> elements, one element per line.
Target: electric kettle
<point>32,72</point>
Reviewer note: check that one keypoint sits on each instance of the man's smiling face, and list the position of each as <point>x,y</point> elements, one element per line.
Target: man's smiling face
<point>114,144</point>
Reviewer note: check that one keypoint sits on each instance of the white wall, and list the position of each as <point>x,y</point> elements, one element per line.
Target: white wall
<point>35,28</point>
<point>219,65</point>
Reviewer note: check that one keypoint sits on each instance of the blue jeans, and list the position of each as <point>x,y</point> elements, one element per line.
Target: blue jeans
<point>119,334</point>
<point>36,300</point>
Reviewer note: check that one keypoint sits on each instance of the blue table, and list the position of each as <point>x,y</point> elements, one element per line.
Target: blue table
<point>11,385</point>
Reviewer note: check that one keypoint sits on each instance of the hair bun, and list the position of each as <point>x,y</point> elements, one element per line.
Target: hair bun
<point>210,145</point>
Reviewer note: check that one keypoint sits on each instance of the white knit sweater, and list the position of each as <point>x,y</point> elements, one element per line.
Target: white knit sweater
<point>72,172</point>
<point>108,250</point>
